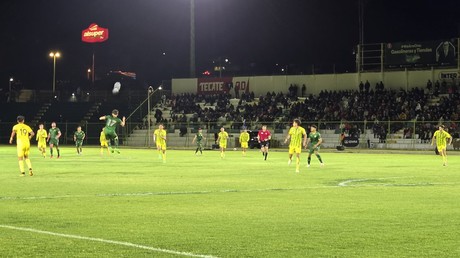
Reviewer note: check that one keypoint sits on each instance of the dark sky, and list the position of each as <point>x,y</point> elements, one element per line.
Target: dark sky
<point>254,34</point>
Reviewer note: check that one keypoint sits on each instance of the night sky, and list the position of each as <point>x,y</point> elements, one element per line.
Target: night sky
<point>253,34</point>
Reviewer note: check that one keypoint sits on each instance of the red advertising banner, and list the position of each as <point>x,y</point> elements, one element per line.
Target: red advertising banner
<point>232,85</point>
<point>94,34</point>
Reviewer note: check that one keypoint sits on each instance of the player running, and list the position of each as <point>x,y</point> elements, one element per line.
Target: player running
<point>23,135</point>
<point>41,139</point>
<point>199,141</point>
<point>222,141</point>
<point>264,137</point>
<point>159,137</point>
<point>315,140</point>
<point>53,139</point>
<point>441,137</point>
<point>296,133</point>
<point>78,138</point>
<point>111,122</point>
<point>103,142</point>
<point>244,139</point>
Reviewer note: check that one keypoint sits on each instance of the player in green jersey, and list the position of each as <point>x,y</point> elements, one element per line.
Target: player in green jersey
<point>199,141</point>
<point>78,138</point>
<point>53,139</point>
<point>111,122</point>
<point>297,135</point>
<point>441,137</point>
<point>313,142</point>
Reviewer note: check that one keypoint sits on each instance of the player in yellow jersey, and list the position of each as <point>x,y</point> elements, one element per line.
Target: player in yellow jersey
<point>41,139</point>
<point>441,137</point>
<point>297,135</point>
<point>159,137</point>
<point>222,141</point>
<point>104,143</point>
<point>23,135</point>
<point>244,139</point>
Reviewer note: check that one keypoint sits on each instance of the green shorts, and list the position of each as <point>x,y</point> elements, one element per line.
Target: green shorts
<point>312,150</point>
<point>109,134</point>
<point>55,142</point>
<point>78,143</point>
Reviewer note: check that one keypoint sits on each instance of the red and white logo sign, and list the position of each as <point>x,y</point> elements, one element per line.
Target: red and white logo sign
<point>94,34</point>
<point>232,85</point>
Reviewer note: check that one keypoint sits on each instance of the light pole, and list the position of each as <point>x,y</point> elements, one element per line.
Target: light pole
<point>11,82</point>
<point>89,73</point>
<point>150,92</point>
<point>54,55</point>
<point>192,39</point>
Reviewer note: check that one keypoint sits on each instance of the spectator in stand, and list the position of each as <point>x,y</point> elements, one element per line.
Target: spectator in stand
<point>429,86</point>
<point>304,90</point>
<point>361,86</point>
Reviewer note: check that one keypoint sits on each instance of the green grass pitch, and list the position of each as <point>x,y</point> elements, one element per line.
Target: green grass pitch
<point>133,205</point>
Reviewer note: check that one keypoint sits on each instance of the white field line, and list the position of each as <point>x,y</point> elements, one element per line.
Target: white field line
<point>108,242</point>
<point>5,198</point>
<point>346,183</point>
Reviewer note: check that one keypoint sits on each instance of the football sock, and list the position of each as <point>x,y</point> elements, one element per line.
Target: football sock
<point>102,150</point>
<point>57,148</point>
<point>297,163</point>
<point>308,160</point>
<point>78,150</point>
<point>266,154</point>
<point>51,151</point>
<point>197,150</point>
<point>163,156</point>
<point>201,151</point>
<point>319,158</point>
<point>21,166</point>
<point>29,165</point>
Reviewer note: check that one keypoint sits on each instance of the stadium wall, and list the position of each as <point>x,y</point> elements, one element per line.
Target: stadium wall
<point>407,79</point>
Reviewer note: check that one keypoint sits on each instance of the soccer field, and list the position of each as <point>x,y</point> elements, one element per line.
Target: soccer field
<point>133,205</point>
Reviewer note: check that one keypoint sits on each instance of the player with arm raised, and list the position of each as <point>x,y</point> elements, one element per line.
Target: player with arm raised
<point>297,135</point>
<point>315,140</point>
<point>111,122</point>
<point>264,136</point>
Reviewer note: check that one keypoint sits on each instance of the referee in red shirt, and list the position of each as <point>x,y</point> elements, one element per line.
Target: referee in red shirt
<point>264,137</point>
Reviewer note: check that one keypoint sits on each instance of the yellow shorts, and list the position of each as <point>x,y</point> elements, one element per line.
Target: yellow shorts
<point>104,144</point>
<point>42,145</point>
<point>441,147</point>
<point>296,150</point>
<point>223,145</point>
<point>244,145</point>
<point>23,150</point>
<point>161,146</point>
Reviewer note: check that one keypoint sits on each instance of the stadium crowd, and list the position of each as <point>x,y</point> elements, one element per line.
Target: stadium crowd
<point>375,106</point>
